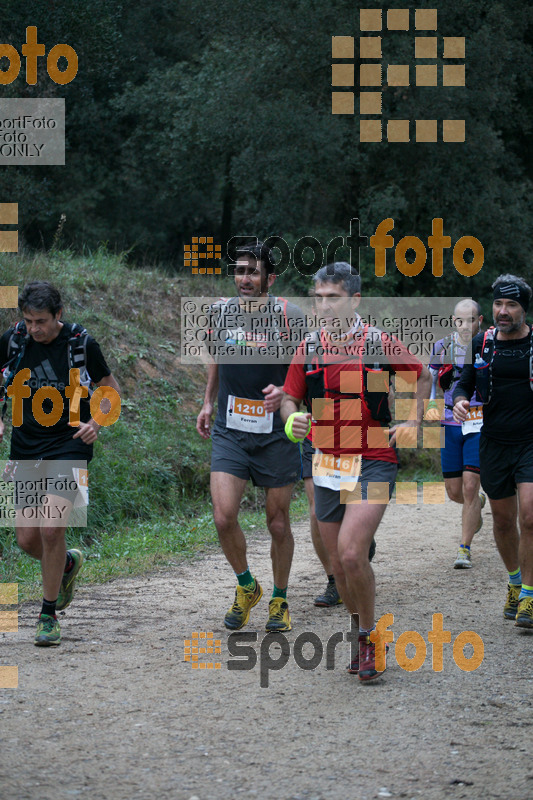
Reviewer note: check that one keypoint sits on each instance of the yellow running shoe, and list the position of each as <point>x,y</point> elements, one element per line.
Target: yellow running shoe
<point>278,616</point>
<point>511,604</point>
<point>245,599</point>
<point>524,615</point>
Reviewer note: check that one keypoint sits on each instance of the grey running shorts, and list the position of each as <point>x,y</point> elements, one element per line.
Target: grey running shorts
<point>268,460</point>
<point>307,459</point>
<point>328,504</point>
<point>35,480</point>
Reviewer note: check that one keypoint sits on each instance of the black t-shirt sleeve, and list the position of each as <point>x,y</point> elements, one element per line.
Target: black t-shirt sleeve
<point>96,363</point>
<point>466,384</point>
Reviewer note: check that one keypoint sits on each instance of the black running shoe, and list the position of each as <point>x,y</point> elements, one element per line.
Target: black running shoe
<point>330,597</point>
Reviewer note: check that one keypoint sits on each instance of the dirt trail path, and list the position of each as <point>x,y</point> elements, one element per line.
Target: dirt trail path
<point>115,713</point>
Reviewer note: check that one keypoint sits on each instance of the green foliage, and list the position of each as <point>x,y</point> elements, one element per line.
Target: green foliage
<point>215,118</point>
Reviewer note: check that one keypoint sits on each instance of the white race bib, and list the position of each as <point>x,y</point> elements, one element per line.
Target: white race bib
<point>248,415</point>
<point>81,476</point>
<point>473,421</point>
<point>336,472</point>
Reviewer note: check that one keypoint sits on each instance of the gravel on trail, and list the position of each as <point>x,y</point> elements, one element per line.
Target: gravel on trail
<point>116,713</point>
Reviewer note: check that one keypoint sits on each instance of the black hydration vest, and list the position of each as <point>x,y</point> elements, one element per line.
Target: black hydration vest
<point>483,365</point>
<point>317,382</point>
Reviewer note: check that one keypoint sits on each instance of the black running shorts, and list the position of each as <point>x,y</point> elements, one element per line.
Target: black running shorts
<point>503,466</point>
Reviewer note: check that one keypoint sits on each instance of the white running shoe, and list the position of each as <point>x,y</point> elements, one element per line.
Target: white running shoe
<point>463,560</point>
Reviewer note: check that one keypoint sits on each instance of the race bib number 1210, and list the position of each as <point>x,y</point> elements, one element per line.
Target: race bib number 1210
<point>248,415</point>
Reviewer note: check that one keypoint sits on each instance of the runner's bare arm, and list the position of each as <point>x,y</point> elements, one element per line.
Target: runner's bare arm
<point>290,405</point>
<point>423,388</point>
<point>433,414</point>
<point>203,421</point>
<point>273,397</point>
<point>461,408</point>
<point>88,431</point>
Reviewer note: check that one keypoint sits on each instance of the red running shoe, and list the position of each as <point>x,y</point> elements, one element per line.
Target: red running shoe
<point>353,666</point>
<point>367,659</point>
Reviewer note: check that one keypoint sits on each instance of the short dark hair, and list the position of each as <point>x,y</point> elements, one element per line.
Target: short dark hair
<point>340,272</point>
<point>41,296</point>
<point>475,304</point>
<point>260,252</point>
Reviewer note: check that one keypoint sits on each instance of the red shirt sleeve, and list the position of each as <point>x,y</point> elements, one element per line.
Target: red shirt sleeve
<point>399,357</point>
<point>295,384</point>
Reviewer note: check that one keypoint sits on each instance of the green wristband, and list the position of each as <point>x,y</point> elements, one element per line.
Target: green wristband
<point>288,427</point>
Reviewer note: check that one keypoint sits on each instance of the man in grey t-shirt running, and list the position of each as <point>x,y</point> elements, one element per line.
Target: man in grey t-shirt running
<point>248,439</point>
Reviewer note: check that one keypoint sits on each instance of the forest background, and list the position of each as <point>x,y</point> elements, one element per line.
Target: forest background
<point>214,118</point>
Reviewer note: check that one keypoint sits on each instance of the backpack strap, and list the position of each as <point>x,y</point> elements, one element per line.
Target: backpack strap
<point>284,303</point>
<point>317,379</point>
<point>487,348</point>
<point>77,353</point>
<point>17,343</point>
<point>16,348</point>
<point>377,402</point>
<point>483,366</point>
<point>312,346</point>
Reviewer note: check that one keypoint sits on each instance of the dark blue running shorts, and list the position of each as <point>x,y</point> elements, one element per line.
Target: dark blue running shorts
<point>460,453</point>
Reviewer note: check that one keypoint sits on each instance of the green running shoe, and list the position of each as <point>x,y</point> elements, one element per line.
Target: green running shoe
<point>48,631</point>
<point>66,592</point>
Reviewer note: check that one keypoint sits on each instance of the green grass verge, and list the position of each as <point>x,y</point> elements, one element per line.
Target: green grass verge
<point>138,547</point>
<point>149,479</point>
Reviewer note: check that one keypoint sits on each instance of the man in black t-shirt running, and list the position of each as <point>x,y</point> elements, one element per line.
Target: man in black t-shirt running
<point>502,376</point>
<point>52,439</point>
